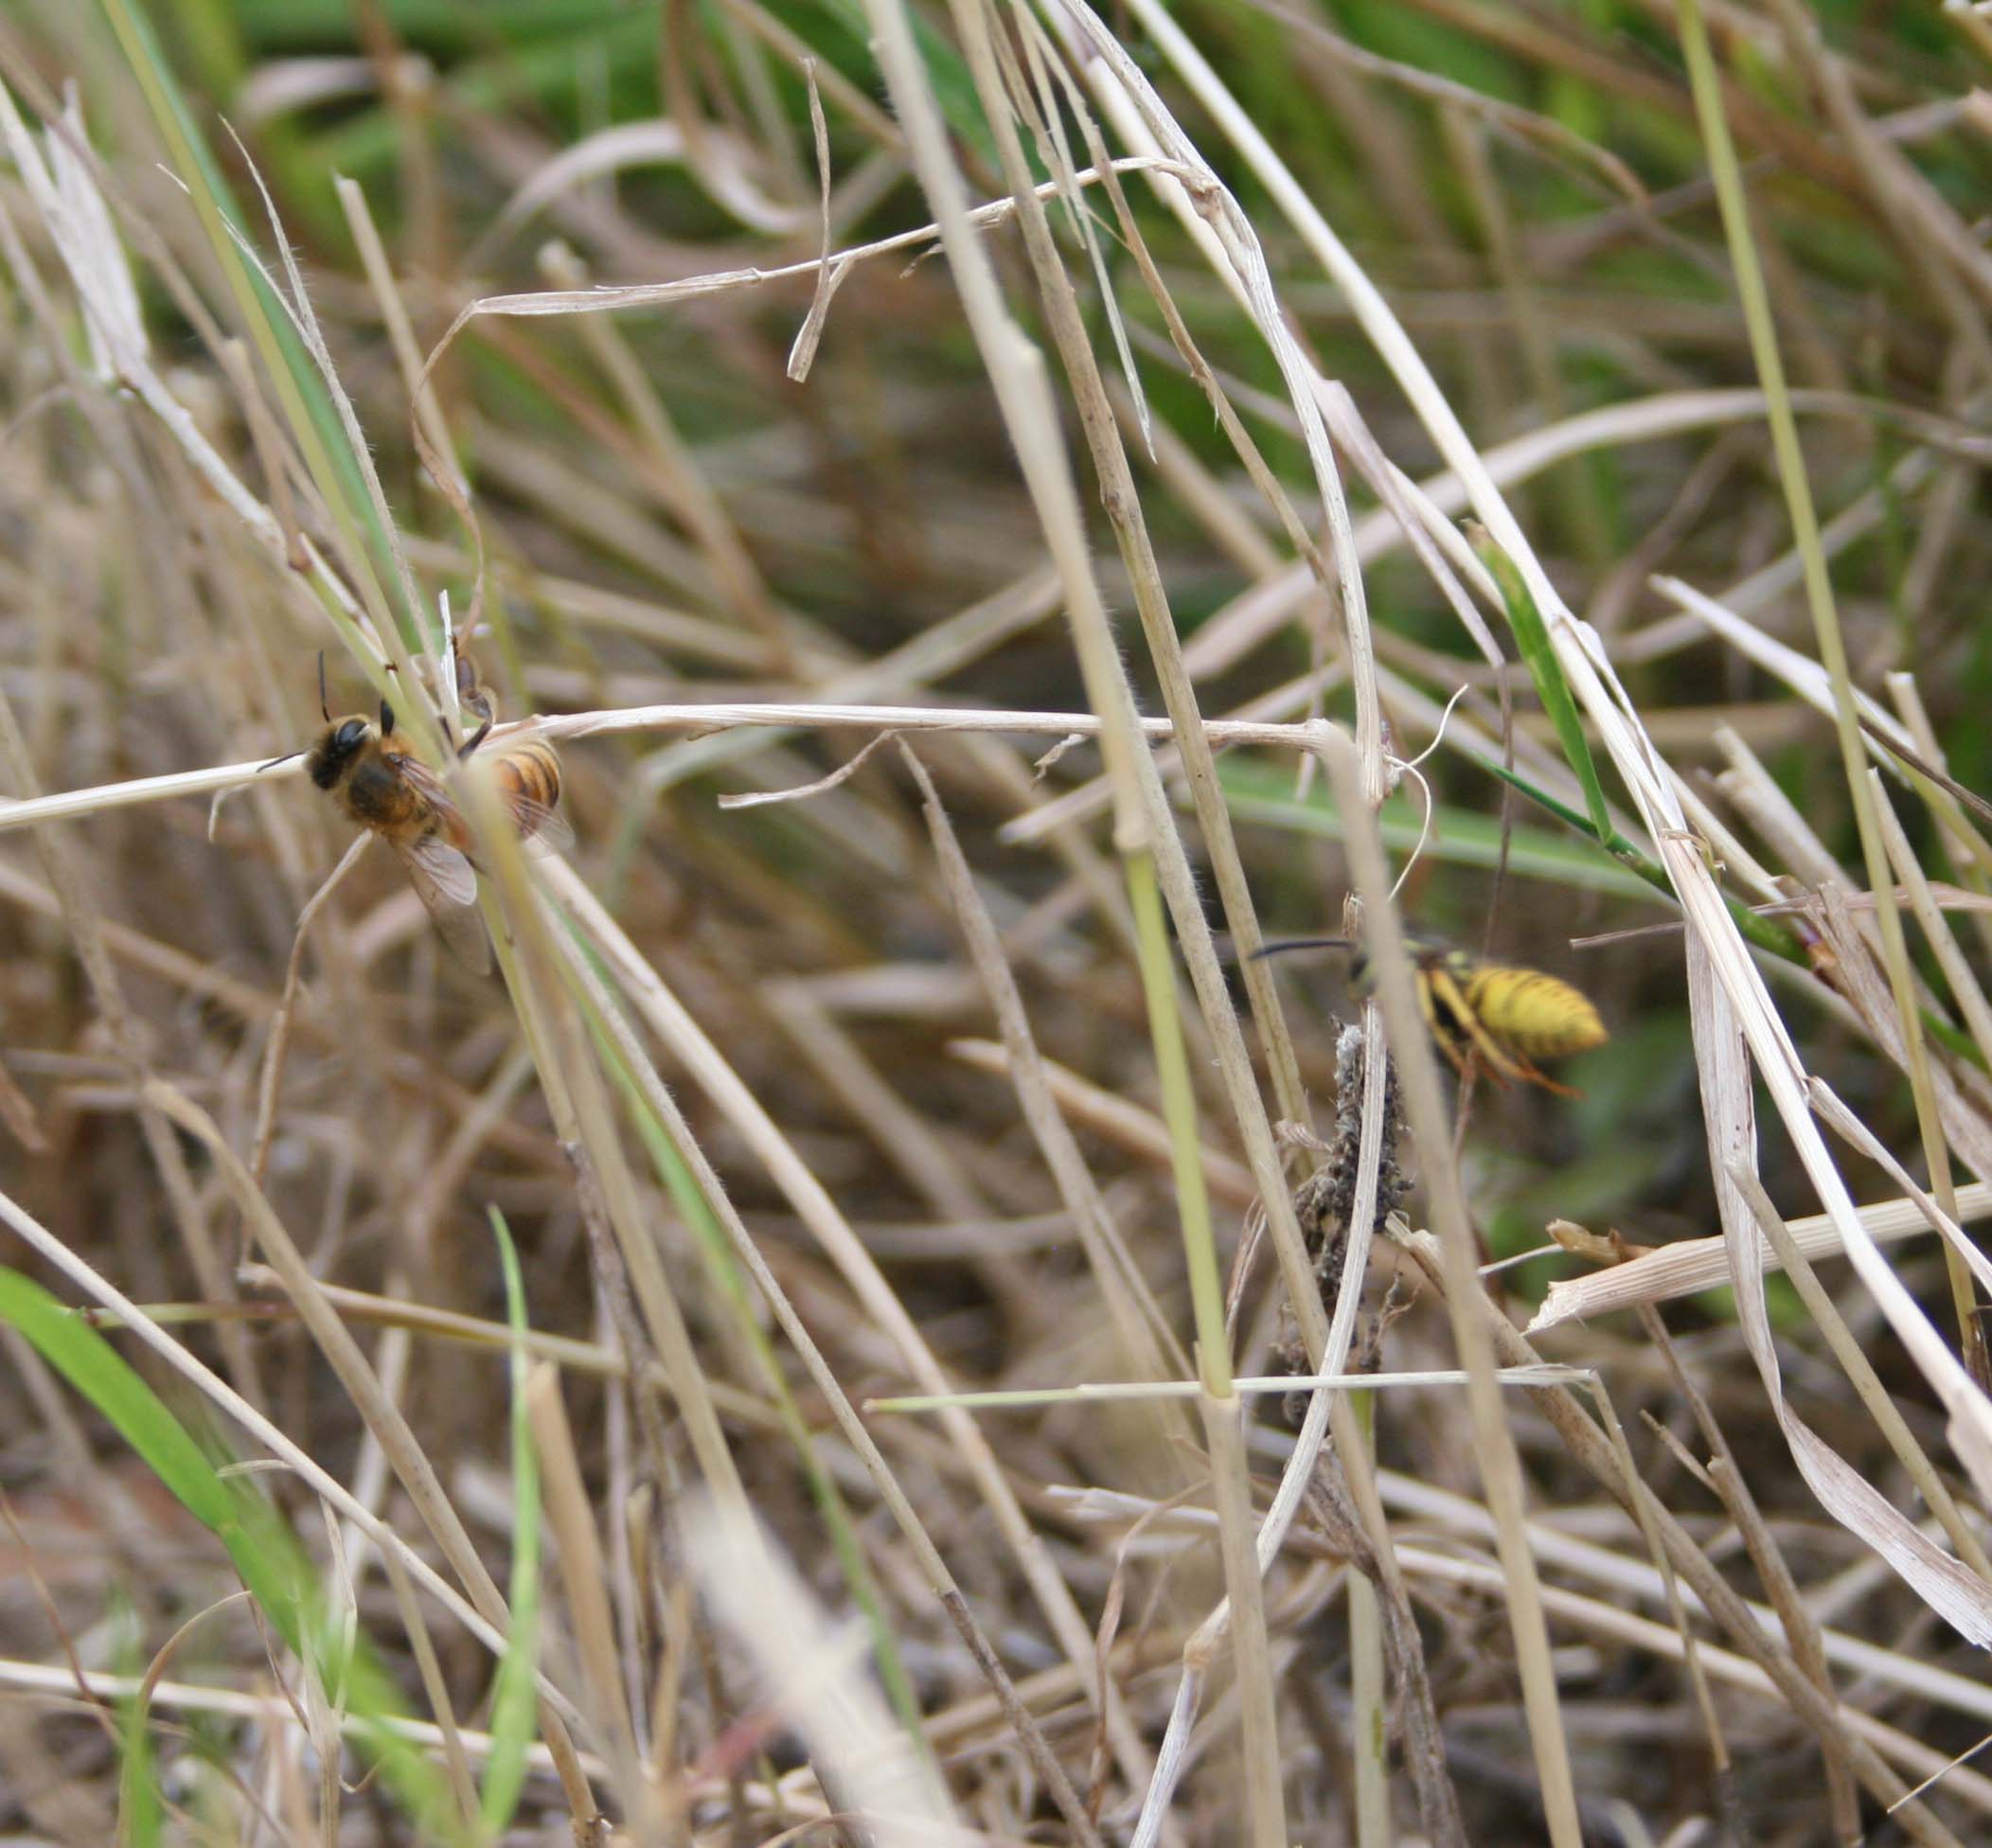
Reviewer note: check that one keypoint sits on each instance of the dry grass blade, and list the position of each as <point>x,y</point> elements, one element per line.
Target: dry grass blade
<point>1148,1343</point>
<point>1963,1599</point>
<point>581,1570</point>
<point>867,1769</point>
<point>385,1418</point>
<point>1113,1117</point>
<point>1868,1385</point>
<point>1842,1798</point>
<point>754,1266</point>
<point>1698,1264</point>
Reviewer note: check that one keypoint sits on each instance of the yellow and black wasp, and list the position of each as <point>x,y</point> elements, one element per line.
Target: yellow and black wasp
<point>1499,1017</point>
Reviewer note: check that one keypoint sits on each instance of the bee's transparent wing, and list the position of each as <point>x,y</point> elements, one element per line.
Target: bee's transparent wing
<point>433,792</point>
<point>446,883</point>
<point>542,828</point>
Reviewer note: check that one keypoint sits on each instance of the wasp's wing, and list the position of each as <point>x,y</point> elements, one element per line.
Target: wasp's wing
<point>446,883</point>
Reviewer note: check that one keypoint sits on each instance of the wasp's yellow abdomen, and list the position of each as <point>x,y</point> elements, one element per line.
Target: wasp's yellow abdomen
<point>1534,1013</point>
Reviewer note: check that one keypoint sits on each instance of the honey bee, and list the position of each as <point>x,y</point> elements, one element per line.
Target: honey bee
<point>1497,1016</point>
<point>392,793</point>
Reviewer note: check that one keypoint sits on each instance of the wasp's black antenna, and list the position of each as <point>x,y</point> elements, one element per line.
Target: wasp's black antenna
<point>324,704</point>
<point>1280,944</point>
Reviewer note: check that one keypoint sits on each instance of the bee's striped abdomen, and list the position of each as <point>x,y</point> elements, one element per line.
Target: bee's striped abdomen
<point>528,777</point>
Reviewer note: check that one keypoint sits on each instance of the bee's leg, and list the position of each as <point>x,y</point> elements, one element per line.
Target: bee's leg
<point>476,738</point>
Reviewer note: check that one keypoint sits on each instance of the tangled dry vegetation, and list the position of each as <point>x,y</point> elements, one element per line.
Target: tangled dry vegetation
<point>993,504</point>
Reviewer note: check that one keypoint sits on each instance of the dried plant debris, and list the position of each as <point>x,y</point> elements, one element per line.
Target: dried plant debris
<point>1325,1201</point>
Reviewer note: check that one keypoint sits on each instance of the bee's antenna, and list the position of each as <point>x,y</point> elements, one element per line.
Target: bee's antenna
<point>386,719</point>
<point>1279,946</point>
<point>324,704</point>
<point>275,761</point>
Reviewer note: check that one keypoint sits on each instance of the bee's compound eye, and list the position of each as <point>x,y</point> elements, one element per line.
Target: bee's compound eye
<point>349,736</point>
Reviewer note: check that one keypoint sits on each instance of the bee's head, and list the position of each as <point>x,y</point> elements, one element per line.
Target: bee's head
<point>337,750</point>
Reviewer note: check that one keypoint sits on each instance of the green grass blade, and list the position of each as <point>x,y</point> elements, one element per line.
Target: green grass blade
<point>1258,792</point>
<point>265,1553</point>
<point>1532,636</point>
<point>1766,934</point>
<point>141,1812</point>
<point>1463,837</point>
<point>96,1370</point>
